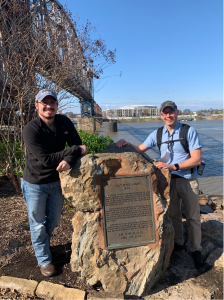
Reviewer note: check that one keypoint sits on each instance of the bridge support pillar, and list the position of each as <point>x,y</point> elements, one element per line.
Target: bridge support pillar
<point>99,123</point>
<point>87,124</point>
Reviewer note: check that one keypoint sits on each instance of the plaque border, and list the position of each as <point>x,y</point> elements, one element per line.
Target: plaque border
<point>104,219</point>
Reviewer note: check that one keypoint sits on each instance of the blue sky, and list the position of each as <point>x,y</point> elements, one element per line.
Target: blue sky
<point>166,50</point>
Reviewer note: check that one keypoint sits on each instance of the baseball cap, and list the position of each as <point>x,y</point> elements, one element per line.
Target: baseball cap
<point>44,93</point>
<point>168,103</point>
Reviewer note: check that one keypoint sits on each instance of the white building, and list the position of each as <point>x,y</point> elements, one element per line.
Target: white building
<point>132,111</point>
<point>137,111</point>
<point>110,113</point>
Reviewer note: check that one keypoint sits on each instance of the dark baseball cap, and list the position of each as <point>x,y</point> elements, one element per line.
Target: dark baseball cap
<point>168,103</point>
<point>44,93</point>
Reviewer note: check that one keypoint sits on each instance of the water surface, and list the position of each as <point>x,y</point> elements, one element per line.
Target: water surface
<point>211,139</point>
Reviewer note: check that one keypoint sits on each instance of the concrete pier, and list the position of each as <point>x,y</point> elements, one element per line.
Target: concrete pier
<point>87,124</point>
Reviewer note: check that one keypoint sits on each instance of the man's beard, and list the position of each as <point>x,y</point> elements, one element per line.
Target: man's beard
<point>47,117</point>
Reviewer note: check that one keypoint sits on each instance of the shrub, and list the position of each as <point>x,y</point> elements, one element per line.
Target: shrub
<point>93,142</point>
<point>12,156</point>
<point>16,153</point>
<point>12,161</point>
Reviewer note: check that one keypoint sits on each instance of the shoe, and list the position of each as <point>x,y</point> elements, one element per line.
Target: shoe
<point>47,270</point>
<point>178,247</point>
<point>198,261</point>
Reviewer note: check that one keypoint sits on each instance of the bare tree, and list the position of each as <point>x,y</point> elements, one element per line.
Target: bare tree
<point>34,57</point>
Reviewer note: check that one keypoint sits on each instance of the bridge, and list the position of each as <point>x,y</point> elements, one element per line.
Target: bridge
<point>78,81</point>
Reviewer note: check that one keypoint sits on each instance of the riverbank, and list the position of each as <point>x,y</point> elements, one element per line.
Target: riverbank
<point>139,120</point>
<point>209,118</point>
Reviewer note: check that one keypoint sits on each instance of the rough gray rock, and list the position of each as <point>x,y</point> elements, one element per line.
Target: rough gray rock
<point>132,271</point>
<point>205,209</point>
<point>213,201</point>
<point>212,230</point>
<point>212,216</point>
<point>216,258</point>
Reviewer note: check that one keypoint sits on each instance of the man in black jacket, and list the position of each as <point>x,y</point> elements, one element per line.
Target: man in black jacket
<point>45,138</point>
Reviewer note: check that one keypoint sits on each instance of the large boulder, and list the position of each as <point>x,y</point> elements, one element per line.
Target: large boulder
<point>129,270</point>
<point>212,231</point>
<point>215,258</point>
<point>216,216</point>
<point>213,201</point>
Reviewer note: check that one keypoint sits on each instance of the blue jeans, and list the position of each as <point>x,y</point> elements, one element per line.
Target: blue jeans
<point>44,204</point>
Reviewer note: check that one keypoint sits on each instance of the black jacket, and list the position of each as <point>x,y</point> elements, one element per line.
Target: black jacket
<point>45,149</point>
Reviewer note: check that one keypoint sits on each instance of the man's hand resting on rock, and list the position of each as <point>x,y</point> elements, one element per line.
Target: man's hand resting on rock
<point>121,143</point>
<point>63,166</point>
<point>83,149</point>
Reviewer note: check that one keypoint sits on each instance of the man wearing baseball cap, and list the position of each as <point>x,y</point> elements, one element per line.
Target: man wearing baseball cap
<point>183,169</point>
<point>45,138</point>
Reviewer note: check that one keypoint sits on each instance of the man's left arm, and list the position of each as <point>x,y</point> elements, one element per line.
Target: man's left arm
<point>73,139</point>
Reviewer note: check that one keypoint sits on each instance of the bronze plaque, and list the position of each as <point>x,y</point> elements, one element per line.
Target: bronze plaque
<point>128,211</point>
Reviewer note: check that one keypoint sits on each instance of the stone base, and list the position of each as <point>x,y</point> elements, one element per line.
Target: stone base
<point>132,270</point>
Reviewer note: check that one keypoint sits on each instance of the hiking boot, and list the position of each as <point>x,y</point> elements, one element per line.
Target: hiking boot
<point>178,247</point>
<point>198,261</point>
<point>47,270</point>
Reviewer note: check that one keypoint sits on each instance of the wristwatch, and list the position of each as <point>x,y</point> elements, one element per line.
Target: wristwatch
<point>177,167</point>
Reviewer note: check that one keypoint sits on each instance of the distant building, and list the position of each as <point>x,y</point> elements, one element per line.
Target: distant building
<point>138,111</point>
<point>132,111</point>
<point>104,113</point>
<point>187,110</point>
<point>110,113</point>
<point>206,114</point>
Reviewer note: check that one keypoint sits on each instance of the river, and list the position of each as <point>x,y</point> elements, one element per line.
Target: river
<point>211,138</point>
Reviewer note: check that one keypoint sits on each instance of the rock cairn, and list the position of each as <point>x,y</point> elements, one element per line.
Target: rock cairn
<point>133,270</point>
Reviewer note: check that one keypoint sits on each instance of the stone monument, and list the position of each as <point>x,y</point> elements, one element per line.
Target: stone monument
<point>123,236</point>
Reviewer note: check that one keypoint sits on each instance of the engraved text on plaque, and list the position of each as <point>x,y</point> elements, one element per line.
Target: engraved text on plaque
<point>128,211</point>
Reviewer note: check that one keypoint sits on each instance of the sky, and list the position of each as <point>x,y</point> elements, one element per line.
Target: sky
<point>166,50</point>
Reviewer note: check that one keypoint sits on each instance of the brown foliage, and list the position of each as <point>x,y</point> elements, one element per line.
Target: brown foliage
<point>41,51</point>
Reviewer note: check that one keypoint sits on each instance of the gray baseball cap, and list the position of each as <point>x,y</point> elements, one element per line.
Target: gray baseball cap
<point>44,93</point>
<point>168,103</point>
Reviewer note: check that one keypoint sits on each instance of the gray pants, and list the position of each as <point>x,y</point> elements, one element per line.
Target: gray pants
<point>188,191</point>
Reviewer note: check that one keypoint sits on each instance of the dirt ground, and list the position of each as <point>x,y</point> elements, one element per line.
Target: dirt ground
<point>17,257</point>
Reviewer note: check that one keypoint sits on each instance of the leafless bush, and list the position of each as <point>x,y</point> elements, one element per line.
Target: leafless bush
<point>38,53</point>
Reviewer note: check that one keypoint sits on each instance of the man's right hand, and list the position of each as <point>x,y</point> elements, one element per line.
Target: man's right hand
<point>83,149</point>
<point>121,143</point>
